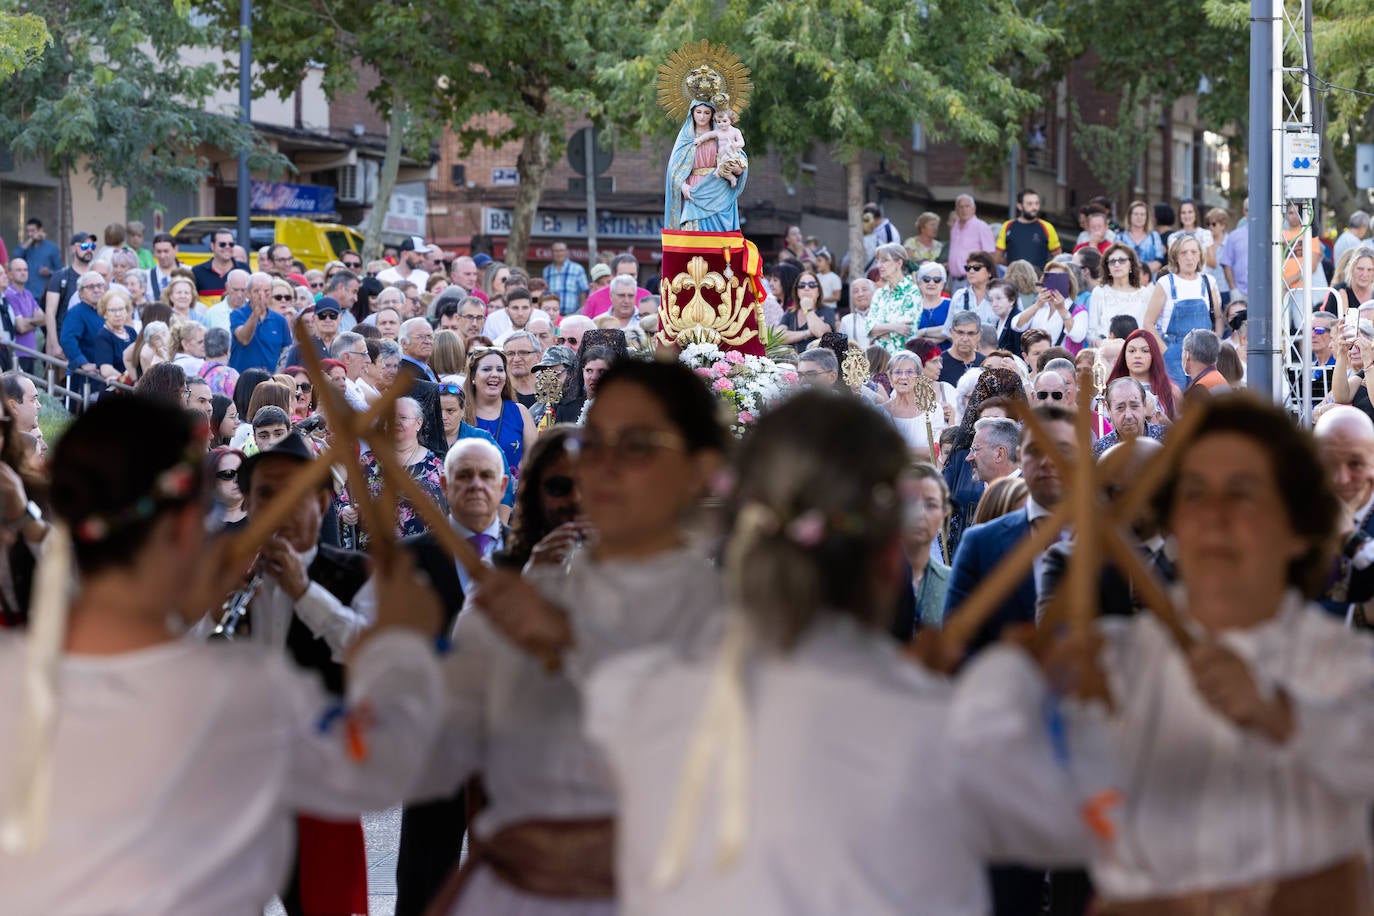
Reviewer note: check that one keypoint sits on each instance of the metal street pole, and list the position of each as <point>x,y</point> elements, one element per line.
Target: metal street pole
<point>245,117</point>
<point>1263,299</point>
<point>589,148</point>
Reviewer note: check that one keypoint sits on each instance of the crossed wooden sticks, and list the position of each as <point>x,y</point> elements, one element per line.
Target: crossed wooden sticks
<point>1097,536</point>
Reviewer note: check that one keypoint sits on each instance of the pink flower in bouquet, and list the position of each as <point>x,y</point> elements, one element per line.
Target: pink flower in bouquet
<point>735,357</point>
<point>745,417</point>
<point>790,377</point>
<point>703,372</point>
<point>721,369</point>
<point>723,384</point>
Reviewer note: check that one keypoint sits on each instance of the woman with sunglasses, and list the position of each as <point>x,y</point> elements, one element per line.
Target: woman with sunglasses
<point>980,270</point>
<point>223,463</point>
<point>303,404</point>
<point>544,844</point>
<point>547,525</point>
<point>804,318</point>
<point>1143,361</point>
<point>1126,291</point>
<point>491,406</point>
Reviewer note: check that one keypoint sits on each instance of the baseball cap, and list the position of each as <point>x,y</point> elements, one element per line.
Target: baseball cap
<point>326,304</point>
<point>600,270</point>
<point>481,260</point>
<point>80,237</point>
<point>414,243</point>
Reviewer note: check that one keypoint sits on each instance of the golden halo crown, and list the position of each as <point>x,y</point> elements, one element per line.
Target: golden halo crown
<point>703,72</point>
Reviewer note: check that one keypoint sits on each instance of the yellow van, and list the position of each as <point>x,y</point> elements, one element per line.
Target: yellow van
<point>312,243</point>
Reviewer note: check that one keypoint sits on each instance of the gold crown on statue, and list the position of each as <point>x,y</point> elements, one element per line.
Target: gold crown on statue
<point>703,72</point>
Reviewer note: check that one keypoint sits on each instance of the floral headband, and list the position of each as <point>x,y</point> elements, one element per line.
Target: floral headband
<point>809,529</point>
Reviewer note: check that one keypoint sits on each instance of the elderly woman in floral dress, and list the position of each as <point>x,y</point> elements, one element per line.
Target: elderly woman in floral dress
<point>896,309</point>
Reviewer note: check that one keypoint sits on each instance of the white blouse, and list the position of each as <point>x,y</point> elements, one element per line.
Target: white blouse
<point>1106,303</point>
<point>874,787</point>
<point>178,771</point>
<point>521,726</point>
<point>1210,806</point>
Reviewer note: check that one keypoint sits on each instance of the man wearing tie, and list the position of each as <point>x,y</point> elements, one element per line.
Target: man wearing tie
<point>474,482</point>
<point>1015,890</point>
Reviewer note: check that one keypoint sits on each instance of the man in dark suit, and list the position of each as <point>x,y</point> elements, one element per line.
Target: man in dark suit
<point>303,603</point>
<point>1117,595</point>
<point>432,833</point>
<point>426,394</point>
<point>1015,891</point>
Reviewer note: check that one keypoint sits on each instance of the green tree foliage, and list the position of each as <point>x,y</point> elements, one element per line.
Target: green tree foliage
<point>115,92</point>
<point>23,38</point>
<point>855,74</point>
<point>403,43</point>
<point>1112,151</point>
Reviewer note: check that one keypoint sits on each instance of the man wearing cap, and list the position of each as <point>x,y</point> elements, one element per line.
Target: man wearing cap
<point>562,361</point>
<point>326,311</point>
<point>211,276</point>
<point>63,284</point>
<point>410,265</point>
<point>599,302</point>
<point>303,606</point>
<point>567,278</point>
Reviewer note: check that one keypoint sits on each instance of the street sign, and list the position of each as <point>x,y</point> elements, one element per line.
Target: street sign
<point>577,153</point>
<point>505,177</point>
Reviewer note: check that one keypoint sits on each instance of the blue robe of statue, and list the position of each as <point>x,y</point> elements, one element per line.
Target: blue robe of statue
<point>714,206</point>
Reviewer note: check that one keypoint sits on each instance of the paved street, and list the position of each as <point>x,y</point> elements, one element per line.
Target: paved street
<point>382,833</point>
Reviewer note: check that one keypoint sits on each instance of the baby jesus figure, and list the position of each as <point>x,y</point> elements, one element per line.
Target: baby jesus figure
<point>729,143</point>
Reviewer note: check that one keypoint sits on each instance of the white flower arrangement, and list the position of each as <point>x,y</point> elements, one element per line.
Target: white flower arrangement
<point>748,384</point>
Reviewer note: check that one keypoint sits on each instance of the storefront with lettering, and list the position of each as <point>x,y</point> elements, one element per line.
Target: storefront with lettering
<point>637,233</point>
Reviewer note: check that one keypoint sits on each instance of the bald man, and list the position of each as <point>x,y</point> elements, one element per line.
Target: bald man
<point>1345,441</point>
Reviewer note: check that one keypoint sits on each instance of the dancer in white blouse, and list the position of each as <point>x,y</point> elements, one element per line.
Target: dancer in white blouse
<point>543,845</point>
<point>148,774</point>
<point>1247,764</point>
<point>803,765</point>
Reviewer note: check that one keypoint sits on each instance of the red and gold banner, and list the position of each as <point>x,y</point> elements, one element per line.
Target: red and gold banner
<point>712,291</point>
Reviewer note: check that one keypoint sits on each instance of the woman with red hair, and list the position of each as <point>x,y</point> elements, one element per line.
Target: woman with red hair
<point>1143,360</point>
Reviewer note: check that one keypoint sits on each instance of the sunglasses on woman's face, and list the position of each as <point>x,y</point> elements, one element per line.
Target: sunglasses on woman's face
<point>931,279</point>
<point>1112,262</point>
<point>808,284</point>
<point>228,474</point>
<point>558,487</point>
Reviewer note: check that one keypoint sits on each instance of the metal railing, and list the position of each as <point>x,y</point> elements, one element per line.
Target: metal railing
<point>75,387</point>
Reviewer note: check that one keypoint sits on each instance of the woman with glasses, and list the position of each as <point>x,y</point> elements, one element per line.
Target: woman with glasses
<point>547,525</point>
<point>804,318</point>
<point>1126,291</point>
<point>544,844</point>
<point>283,300</point>
<point>764,771</point>
<point>903,371</point>
<point>223,463</point>
<point>491,406</point>
<point>896,308</point>
<point>114,336</point>
<point>1052,312</point>
<point>304,403</point>
<point>1217,222</point>
<point>980,269</point>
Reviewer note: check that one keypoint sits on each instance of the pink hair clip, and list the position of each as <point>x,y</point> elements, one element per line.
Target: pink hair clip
<point>808,529</point>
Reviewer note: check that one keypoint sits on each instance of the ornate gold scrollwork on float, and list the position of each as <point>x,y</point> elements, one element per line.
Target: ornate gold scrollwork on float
<point>855,368</point>
<point>699,321</point>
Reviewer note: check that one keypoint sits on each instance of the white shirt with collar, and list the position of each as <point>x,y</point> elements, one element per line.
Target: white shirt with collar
<point>326,616</point>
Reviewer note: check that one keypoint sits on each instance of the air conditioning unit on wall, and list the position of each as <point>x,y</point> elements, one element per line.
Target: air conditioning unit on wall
<point>358,182</point>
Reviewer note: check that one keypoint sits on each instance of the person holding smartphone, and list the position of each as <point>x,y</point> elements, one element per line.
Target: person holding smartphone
<point>1051,311</point>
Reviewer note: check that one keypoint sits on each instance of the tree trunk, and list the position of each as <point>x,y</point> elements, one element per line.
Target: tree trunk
<point>386,181</point>
<point>854,203</point>
<point>534,167</point>
<point>1339,195</point>
<point>64,207</point>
